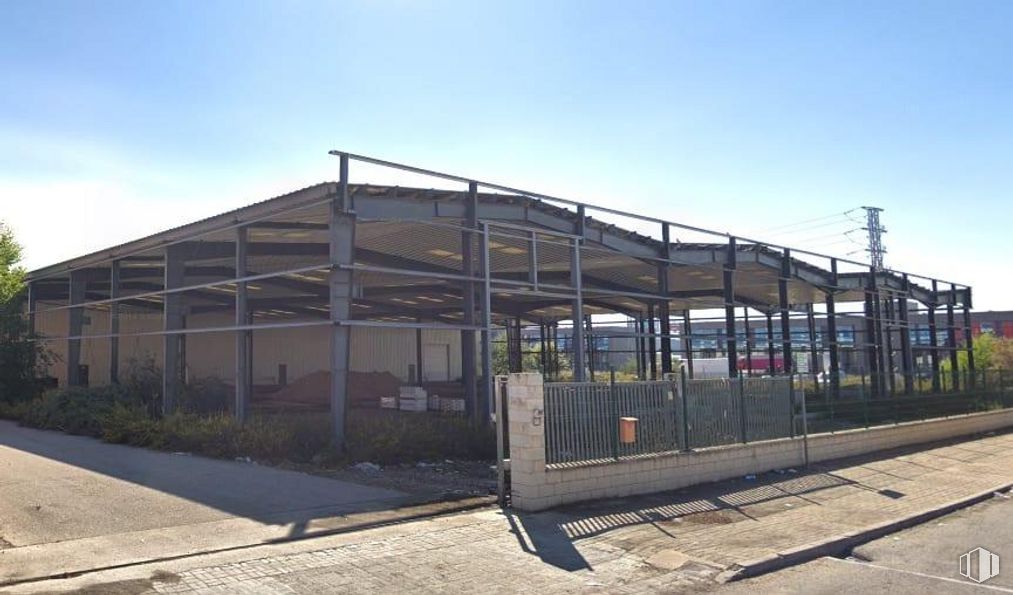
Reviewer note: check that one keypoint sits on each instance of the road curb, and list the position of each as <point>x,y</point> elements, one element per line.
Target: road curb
<point>843,542</point>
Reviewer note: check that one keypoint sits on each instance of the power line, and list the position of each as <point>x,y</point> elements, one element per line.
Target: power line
<point>813,220</point>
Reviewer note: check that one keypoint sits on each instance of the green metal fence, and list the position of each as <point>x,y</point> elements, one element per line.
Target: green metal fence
<point>983,391</point>
<point>582,419</point>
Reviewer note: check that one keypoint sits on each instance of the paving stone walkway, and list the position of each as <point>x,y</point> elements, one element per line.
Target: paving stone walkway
<point>670,542</point>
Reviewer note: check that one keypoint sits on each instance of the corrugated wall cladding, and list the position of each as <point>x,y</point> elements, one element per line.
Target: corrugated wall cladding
<point>302,350</point>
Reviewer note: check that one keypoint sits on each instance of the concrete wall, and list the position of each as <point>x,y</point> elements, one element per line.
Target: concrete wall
<point>302,350</point>
<point>534,486</point>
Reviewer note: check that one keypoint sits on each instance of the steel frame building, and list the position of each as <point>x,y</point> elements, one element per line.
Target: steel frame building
<point>341,257</point>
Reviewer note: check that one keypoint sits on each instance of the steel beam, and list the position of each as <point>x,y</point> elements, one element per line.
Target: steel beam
<point>114,322</point>
<point>749,341</point>
<point>75,324</point>
<point>487,372</point>
<point>341,235</point>
<point>887,308</point>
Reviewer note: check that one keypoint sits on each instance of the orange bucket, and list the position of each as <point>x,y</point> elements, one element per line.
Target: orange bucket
<point>628,430</point>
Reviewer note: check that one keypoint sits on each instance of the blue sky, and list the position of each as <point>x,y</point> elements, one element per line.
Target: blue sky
<point>119,119</point>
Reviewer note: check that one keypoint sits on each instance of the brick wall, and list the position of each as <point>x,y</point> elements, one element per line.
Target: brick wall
<point>535,486</point>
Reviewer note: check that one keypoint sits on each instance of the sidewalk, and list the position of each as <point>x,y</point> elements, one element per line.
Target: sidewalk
<point>674,541</point>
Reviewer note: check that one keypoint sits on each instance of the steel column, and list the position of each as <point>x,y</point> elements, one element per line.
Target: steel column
<point>934,338</point>
<point>114,322</point>
<point>577,340</point>
<point>814,364</point>
<point>172,320</point>
<point>871,335</point>
<point>749,341</point>
<point>888,340</point>
<point>951,341</point>
<point>75,325</point>
<point>728,285</point>
<point>243,337</point>
<point>907,359</point>
<point>487,375</point>
<point>788,364</point>
<point>687,340</point>
<point>341,235</point>
<point>664,314</point>
<point>969,339</point>
<point>468,351</point>
<point>652,344</point>
<point>771,350</point>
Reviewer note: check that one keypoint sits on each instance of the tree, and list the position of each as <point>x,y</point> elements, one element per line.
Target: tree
<point>22,358</point>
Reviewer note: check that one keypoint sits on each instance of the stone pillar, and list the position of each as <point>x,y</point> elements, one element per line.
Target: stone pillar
<point>526,420</point>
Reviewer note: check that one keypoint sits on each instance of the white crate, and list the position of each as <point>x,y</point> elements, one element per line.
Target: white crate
<point>414,405</point>
<point>388,402</point>
<point>434,402</point>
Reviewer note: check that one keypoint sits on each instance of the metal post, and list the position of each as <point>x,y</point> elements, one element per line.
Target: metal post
<point>590,350</point>
<point>877,318</point>
<point>242,337</point>
<point>341,232</point>
<point>871,344</point>
<point>888,322</point>
<point>664,314</point>
<point>638,344</point>
<point>748,340</point>
<point>75,327</point>
<point>835,365</point>
<point>172,320</point>
<point>814,366</point>
<point>742,408</point>
<point>486,321</point>
<point>934,338</point>
<point>419,372</point>
<point>652,345</point>
<point>771,350</point>
<point>687,340</point>
<point>969,338</point>
<point>685,409</point>
<point>731,349</point>
<point>782,293</point>
<point>114,322</point>
<point>951,343</point>
<point>614,400</point>
<point>907,359</point>
<point>468,376</point>
<point>578,303</point>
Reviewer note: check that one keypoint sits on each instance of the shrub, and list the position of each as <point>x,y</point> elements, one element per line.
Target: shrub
<point>205,396</point>
<point>388,437</point>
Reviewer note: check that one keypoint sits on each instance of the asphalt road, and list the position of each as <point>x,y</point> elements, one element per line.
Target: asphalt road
<point>923,559</point>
